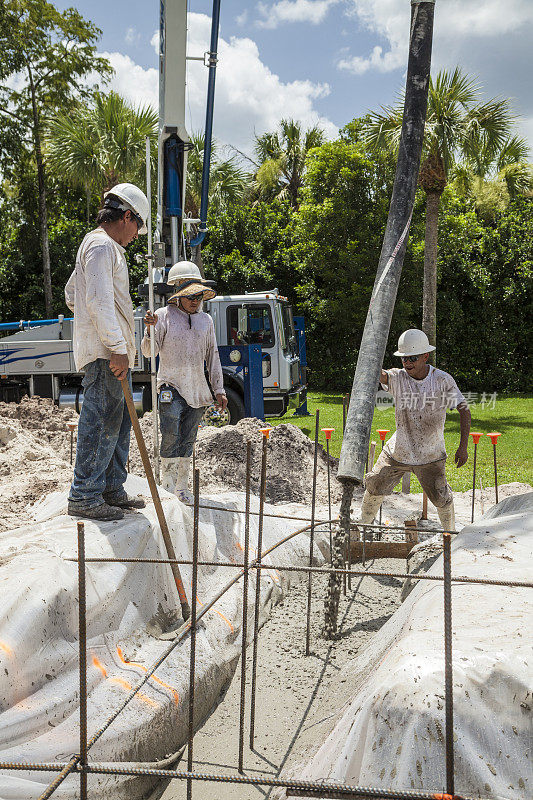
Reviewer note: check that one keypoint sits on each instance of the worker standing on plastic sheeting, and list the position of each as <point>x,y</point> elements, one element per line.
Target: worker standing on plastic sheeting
<point>422,395</point>
<point>104,348</point>
<point>185,341</point>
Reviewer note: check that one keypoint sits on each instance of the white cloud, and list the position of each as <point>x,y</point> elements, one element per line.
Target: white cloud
<point>249,97</point>
<point>455,20</point>
<point>286,11</point>
<point>136,84</point>
<point>242,19</point>
<point>132,36</point>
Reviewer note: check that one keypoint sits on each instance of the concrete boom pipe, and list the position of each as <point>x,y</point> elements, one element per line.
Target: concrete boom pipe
<point>356,437</point>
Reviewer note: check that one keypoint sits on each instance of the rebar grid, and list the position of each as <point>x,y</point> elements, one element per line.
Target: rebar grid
<point>260,565</point>
<point>78,762</point>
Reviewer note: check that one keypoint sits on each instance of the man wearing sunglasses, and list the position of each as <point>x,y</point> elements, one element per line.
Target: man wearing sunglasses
<point>184,338</point>
<point>104,349</point>
<point>422,395</point>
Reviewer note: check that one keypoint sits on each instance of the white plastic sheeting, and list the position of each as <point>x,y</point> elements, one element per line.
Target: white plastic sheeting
<point>39,681</point>
<point>391,735</point>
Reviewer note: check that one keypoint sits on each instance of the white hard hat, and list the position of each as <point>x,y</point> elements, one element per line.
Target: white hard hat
<point>183,271</point>
<point>413,343</point>
<point>133,199</point>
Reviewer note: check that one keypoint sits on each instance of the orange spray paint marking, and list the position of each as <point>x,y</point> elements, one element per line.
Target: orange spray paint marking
<point>152,677</point>
<point>6,649</point>
<point>98,664</point>
<point>220,614</point>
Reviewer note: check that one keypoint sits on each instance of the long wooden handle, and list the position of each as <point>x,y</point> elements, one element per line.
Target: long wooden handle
<point>185,608</point>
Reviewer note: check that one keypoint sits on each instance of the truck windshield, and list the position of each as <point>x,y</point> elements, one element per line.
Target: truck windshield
<point>260,330</point>
<point>289,329</point>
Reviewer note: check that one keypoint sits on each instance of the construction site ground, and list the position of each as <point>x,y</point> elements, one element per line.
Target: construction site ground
<point>295,694</point>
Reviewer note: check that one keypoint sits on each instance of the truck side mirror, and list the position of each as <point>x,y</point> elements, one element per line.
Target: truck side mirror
<point>242,323</point>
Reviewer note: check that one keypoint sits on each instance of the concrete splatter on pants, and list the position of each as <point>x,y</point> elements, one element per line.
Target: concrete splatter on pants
<point>387,473</point>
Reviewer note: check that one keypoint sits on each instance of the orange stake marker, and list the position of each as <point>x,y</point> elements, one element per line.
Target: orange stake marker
<point>494,439</point>
<point>328,432</point>
<point>476,437</point>
<point>265,432</point>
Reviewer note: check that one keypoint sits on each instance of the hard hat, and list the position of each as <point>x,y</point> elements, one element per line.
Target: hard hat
<point>133,199</point>
<point>183,271</point>
<point>413,343</point>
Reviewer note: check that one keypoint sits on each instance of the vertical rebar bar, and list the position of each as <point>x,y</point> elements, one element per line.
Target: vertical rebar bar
<point>424,506</point>
<point>329,500</point>
<point>343,412</point>
<point>82,641</point>
<point>474,481</point>
<point>311,538</point>
<point>495,470</point>
<point>262,493</point>
<point>244,631</point>
<point>448,668</point>
<point>196,515</point>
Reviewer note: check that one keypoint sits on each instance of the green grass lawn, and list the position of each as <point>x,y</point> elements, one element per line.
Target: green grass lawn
<point>512,416</point>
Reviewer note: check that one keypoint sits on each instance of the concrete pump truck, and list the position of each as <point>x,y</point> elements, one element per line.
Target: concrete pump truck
<point>38,359</point>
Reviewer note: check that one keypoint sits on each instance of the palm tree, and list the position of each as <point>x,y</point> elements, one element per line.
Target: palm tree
<point>96,147</point>
<point>458,127</point>
<point>227,181</point>
<point>281,159</point>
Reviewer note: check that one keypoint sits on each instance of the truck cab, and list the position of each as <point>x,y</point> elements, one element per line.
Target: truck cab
<point>263,318</point>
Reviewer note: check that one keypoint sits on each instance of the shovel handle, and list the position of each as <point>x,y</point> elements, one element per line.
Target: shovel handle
<point>185,608</point>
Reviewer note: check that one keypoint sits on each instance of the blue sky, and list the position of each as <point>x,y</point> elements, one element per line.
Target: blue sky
<point>321,61</point>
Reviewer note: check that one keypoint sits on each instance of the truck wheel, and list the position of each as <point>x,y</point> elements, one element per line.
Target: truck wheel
<point>233,413</point>
<point>235,406</point>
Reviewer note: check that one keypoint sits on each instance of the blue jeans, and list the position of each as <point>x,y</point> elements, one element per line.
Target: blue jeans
<point>103,438</point>
<point>179,426</point>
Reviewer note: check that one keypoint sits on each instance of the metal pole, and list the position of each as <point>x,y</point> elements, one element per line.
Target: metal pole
<point>82,640</point>
<point>262,494</point>
<point>311,538</point>
<point>448,666</point>
<point>377,324</point>
<point>153,378</point>
<point>196,514</point>
<point>495,471</point>
<point>329,500</point>
<point>244,632</point>
<point>474,482</point>
<point>343,413</point>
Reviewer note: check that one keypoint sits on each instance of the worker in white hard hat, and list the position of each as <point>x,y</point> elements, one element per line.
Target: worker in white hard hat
<point>422,396</point>
<point>184,338</point>
<point>104,349</point>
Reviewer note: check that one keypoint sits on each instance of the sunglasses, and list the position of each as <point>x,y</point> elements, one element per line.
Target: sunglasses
<point>194,297</point>
<point>410,359</point>
<point>137,218</point>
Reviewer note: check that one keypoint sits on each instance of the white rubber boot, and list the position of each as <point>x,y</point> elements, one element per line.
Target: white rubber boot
<point>182,483</point>
<point>370,507</point>
<point>169,473</point>
<point>447,517</point>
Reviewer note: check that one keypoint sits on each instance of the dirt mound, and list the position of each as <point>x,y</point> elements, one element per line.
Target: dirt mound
<point>29,468</point>
<point>221,459</point>
<point>44,419</point>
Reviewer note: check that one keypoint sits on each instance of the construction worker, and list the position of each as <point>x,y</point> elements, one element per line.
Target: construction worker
<point>184,338</point>
<point>104,348</point>
<point>422,395</point>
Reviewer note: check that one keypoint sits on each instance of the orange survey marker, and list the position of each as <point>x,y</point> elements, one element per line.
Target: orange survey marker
<point>383,435</point>
<point>328,432</point>
<point>476,436</point>
<point>265,432</point>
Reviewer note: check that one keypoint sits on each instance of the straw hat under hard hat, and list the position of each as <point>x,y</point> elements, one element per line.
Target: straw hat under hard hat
<point>193,286</point>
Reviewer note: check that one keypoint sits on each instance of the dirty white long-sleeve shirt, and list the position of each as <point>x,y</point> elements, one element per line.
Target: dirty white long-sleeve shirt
<point>98,293</point>
<point>182,350</point>
<point>420,412</point>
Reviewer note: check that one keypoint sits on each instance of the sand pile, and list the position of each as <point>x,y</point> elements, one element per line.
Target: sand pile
<point>46,421</point>
<point>221,459</point>
<point>29,468</point>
